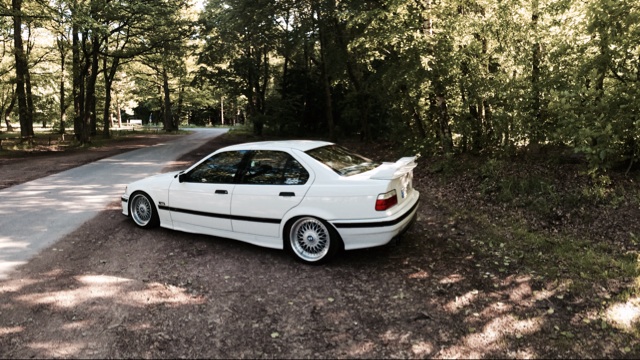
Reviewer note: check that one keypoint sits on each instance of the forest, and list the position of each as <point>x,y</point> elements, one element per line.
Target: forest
<point>436,76</point>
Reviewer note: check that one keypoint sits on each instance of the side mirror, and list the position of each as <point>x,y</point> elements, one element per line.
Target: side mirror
<point>182,177</point>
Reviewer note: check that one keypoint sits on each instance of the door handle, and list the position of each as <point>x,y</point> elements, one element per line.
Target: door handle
<point>287,193</point>
<point>223,192</point>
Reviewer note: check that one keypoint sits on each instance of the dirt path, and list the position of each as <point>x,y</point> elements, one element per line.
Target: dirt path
<point>37,164</point>
<point>110,289</point>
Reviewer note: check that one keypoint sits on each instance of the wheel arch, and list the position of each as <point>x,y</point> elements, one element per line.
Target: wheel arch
<point>289,221</point>
<point>155,216</point>
<point>299,212</point>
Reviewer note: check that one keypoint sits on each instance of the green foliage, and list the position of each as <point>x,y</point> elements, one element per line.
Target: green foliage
<point>581,261</point>
<point>440,77</point>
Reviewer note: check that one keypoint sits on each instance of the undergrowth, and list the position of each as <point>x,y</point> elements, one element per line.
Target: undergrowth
<point>548,218</point>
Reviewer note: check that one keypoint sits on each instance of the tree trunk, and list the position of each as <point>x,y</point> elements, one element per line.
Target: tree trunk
<point>9,109</point>
<point>29,94</point>
<point>328,108</point>
<point>91,84</point>
<point>417,118</point>
<point>536,126</point>
<point>488,122</point>
<point>22,71</point>
<point>363,98</point>
<point>168,116</point>
<point>444,130</point>
<point>265,80</point>
<point>106,114</point>
<point>89,100</point>
<point>178,113</point>
<point>80,69</point>
<point>415,113</point>
<point>476,132</point>
<point>119,112</point>
<point>63,107</point>
<point>75,91</point>
<point>108,83</point>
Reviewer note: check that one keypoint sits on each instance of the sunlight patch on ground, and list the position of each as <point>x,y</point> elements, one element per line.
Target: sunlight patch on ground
<point>58,348</point>
<point>422,348</point>
<point>10,330</point>
<point>101,279</point>
<point>496,308</point>
<point>139,327</point>
<point>460,302</point>
<point>451,279</point>
<point>77,324</point>
<point>163,294</point>
<point>361,349</point>
<point>492,337</point>
<point>6,267</point>
<point>121,290</point>
<point>421,274</point>
<point>520,292</point>
<point>15,285</point>
<point>624,315</point>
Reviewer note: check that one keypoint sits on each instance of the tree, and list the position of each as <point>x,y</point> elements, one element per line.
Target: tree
<point>8,95</point>
<point>239,43</point>
<point>60,26</point>
<point>171,30</point>
<point>22,72</point>
<point>140,28</point>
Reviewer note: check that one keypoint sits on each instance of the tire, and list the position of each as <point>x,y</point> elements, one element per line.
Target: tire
<point>311,240</point>
<point>143,211</point>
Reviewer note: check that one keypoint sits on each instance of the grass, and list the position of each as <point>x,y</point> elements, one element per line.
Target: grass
<point>561,256</point>
<point>49,140</point>
<point>553,222</point>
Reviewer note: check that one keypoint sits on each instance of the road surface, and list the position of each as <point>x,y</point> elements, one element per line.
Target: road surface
<point>37,214</point>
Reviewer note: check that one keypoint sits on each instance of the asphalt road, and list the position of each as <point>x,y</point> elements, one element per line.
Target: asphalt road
<point>37,214</point>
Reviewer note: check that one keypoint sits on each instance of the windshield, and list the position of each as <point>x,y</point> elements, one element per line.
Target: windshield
<point>341,160</point>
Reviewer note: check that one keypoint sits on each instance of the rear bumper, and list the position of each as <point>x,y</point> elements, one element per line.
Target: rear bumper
<point>365,234</point>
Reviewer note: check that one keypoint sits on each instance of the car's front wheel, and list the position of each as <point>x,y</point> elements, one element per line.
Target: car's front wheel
<point>312,240</point>
<point>143,211</point>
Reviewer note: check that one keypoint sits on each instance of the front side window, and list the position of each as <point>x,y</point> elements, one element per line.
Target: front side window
<point>274,168</point>
<point>220,168</point>
<point>342,161</point>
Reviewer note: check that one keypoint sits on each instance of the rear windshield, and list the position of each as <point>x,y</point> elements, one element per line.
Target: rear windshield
<point>341,160</point>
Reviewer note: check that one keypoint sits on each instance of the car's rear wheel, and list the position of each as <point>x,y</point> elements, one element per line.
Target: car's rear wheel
<point>143,211</point>
<point>312,240</point>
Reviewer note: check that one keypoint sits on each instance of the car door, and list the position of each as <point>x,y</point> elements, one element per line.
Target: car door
<point>272,183</point>
<point>201,199</point>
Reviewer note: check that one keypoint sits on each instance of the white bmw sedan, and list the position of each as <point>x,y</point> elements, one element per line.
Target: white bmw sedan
<point>311,198</point>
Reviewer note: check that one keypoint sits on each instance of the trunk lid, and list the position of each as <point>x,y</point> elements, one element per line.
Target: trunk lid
<point>399,174</point>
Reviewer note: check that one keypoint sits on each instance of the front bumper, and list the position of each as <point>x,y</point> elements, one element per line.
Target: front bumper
<point>124,201</point>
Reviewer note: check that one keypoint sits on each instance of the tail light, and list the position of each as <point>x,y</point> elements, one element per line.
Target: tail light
<point>386,200</point>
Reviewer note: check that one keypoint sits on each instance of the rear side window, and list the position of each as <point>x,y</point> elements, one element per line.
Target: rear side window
<point>342,161</point>
<point>274,168</point>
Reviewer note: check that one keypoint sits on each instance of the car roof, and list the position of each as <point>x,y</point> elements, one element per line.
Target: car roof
<point>302,145</point>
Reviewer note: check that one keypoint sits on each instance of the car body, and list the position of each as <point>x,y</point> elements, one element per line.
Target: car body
<point>313,198</point>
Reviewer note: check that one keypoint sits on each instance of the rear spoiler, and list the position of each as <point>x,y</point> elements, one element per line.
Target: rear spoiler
<point>390,171</point>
